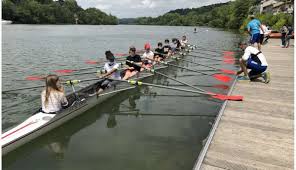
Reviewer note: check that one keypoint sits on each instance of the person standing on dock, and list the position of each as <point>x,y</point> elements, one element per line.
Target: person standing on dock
<point>254,27</point>
<point>255,60</point>
<point>53,98</point>
<point>284,32</point>
<point>289,36</point>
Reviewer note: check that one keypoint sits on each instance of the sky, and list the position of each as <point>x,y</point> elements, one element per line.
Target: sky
<point>140,8</point>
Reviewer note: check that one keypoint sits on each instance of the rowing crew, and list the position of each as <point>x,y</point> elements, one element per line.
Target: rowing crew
<point>53,97</point>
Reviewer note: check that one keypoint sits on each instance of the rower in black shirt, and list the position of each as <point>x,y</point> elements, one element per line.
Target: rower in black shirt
<point>133,68</point>
<point>167,48</point>
<point>159,52</point>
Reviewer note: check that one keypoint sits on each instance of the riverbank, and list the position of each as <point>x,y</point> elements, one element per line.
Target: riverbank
<point>258,132</point>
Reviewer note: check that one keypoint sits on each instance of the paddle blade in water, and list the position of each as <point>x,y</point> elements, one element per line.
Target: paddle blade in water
<point>228,71</point>
<point>34,78</point>
<point>225,97</point>
<point>64,71</point>
<point>91,62</point>
<point>227,57</point>
<point>222,78</point>
<point>228,52</point>
<point>228,61</point>
<point>221,86</point>
<point>120,55</point>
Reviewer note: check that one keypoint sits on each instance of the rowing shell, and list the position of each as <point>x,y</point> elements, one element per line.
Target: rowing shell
<point>40,123</point>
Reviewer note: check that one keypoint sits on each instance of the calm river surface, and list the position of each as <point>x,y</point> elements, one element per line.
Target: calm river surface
<point>106,136</point>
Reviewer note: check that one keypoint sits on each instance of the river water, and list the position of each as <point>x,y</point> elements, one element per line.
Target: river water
<point>114,135</point>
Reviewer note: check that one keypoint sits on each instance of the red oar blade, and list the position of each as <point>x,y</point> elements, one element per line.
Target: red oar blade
<point>222,78</point>
<point>64,71</point>
<point>228,71</point>
<point>120,55</point>
<point>225,97</point>
<point>227,57</point>
<point>228,52</point>
<point>91,62</point>
<point>228,61</point>
<point>221,86</point>
<point>34,78</point>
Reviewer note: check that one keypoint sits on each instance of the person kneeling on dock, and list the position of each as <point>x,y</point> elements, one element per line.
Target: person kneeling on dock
<point>255,60</point>
<point>111,69</point>
<point>53,97</point>
<point>132,69</point>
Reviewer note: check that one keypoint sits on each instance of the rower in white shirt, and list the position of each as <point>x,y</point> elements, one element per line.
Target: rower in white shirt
<point>148,56</point>
<point>111,69</point>
<point>184,42</point>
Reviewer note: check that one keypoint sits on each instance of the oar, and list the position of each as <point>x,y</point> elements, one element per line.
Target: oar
<point>219,77</point>
<point>137,113</point>
<point>92,62</point>
<point>218,86</point>
<point>215,50</point>
<point>62,71</point>
<point>156,72</point>
<point>43,77</point>
<point>225,56</point>
<point>227,61</point>
<point>214,95</point>
<point>75,70</point>
<point>214,68</point>
<point>68,82</point>
<point>25,88</point>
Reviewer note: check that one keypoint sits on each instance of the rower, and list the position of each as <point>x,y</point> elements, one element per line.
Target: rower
<point>255,60</point>
<point>184,42</point>
<point>111,69</point>
<point>132,69</point>
<point>148,56</point>
<point>159,53</point>
<point>167,49</point>
<point>176,45</point>
<point>53,97</point>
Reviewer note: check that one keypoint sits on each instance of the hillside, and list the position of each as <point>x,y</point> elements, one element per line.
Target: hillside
<point>53,12</point>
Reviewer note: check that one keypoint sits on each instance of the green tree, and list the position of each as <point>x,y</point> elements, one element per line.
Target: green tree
<point>8,10</point>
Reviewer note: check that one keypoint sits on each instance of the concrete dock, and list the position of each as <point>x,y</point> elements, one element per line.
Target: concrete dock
<point>257,133</point>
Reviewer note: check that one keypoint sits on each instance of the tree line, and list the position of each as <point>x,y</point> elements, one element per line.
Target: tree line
<point>230,15</point>
<point>53,12</point>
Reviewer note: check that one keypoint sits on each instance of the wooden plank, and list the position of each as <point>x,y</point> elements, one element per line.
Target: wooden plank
<point>258,133</point>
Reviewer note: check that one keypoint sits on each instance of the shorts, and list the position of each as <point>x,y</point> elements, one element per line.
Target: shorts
<point>261,38</point>
<point>106,84</point>
<point>255,38</point>
<point>255,68</point>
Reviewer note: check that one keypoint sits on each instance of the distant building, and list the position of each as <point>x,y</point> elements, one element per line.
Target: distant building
<point>277,6</point>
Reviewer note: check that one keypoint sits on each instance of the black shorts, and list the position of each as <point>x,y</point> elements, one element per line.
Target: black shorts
<point>261,38</point>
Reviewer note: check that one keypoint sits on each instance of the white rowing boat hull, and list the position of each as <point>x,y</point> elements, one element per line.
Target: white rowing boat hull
<point>41,123</point>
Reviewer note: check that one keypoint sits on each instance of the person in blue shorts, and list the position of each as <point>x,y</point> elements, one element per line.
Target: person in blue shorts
<point>254,60</point>
<point>254,27</point>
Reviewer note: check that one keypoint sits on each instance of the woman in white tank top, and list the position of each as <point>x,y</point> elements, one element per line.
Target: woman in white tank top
<point>53,96</point>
